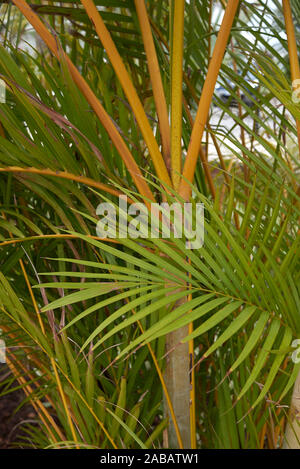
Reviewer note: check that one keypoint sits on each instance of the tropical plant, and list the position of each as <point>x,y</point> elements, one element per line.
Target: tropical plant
<point>130,343</point>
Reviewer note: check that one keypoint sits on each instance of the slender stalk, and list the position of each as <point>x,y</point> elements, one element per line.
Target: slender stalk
<point>176,90</point>
<point>54,236</point>
<point>129,90</point>
<point>156,81</point>
<point>99,110</point>
<point>292,45</point>
<point>293,51</point>
<point>206,97</point>
<point>193,93</point>
<point>64,175</point>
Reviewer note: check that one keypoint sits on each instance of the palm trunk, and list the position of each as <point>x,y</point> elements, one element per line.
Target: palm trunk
<point>292,432</point>
<point>177,379</point>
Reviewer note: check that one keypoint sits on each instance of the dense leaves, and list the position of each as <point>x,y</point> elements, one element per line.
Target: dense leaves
<point>85,320</point>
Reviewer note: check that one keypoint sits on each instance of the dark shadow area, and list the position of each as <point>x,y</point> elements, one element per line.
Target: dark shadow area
<point>12,418</point>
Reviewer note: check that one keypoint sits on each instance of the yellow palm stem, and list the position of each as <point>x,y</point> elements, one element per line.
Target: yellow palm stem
<point>293,53</point>
<point>129,90</point>
<point>156,81</point>
<point>62,174</point>
<point>176,91</point>
<point>206,97</point>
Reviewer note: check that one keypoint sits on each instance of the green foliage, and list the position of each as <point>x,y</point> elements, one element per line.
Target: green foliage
<point>105,308</point>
